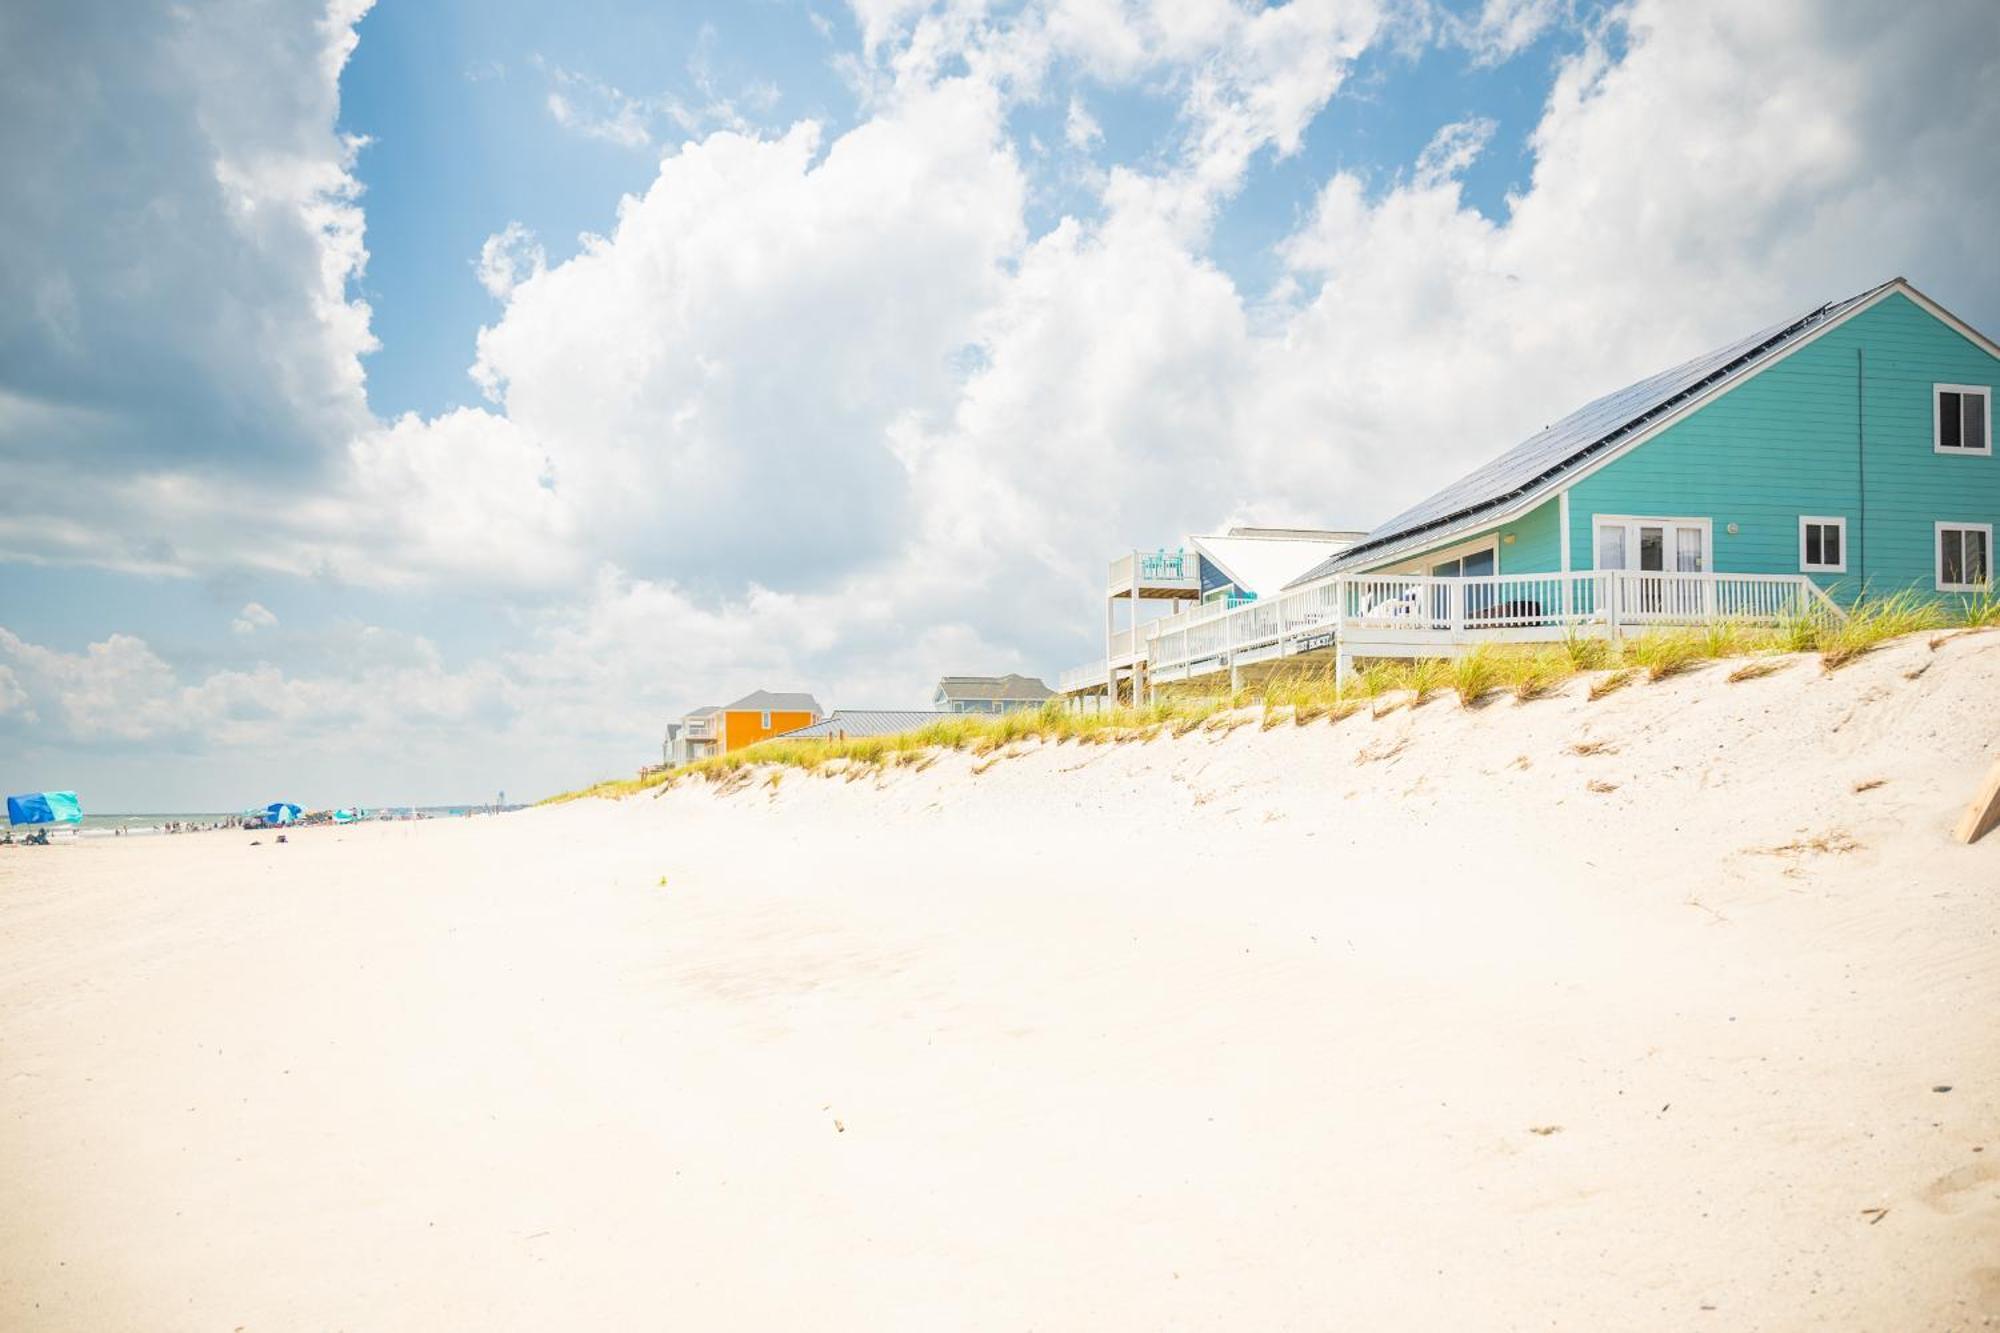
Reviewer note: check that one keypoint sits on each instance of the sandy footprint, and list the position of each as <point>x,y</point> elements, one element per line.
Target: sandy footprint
<point>1965,1189</point>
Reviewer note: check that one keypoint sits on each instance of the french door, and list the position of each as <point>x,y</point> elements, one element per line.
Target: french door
<point>1657,548</point>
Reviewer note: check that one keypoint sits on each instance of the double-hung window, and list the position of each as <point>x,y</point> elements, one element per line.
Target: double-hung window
<point>1964,557</point>
<point>1962,418</point>
<point>1823,545</point>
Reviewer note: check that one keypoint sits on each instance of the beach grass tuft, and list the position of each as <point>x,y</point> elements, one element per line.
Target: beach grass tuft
<point>1475,675</point>
<point>1873,621</point>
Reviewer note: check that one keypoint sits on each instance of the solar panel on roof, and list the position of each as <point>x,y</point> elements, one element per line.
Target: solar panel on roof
<point>1556,448</point>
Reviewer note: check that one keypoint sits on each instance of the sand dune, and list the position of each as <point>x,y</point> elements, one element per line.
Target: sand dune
<point>1635,1013</point>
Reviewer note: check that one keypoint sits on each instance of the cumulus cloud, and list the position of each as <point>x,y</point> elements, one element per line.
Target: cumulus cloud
<point>13,698</point>
<point>1504,28</point>
<point>509,258</point>
<point>713,388</point>
<point>1080,129</point>
<point>253,617</point>
<point>221,206</point>
<point>178,233</point>
<point>598,110</point>
<point>1454,148</point>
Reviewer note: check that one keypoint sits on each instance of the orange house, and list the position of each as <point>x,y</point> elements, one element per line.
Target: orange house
<point>760,715</point>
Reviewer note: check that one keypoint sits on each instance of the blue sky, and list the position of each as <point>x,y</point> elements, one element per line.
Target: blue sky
<point>453,100</point>
<point>343,466</point>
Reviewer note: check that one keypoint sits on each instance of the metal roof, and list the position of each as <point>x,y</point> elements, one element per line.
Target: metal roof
<point>763,701</point>
<point>1541,459</point>
<point>1010,686</point>
<point>865,722</point>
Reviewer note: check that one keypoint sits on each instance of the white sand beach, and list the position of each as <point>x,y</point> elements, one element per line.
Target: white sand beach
<point>1671,1010</point>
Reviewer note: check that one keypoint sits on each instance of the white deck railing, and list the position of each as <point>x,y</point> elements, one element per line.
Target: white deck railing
<point>1418,612</point>
<point>1089,676</point>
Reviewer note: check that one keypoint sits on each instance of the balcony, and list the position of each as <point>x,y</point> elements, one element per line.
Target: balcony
<point>1168,574</point>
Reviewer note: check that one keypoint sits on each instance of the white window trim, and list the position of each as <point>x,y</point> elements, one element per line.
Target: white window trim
<point>1985,393</point>
<point>1827,522</point>
<point>1707,526</point>
<point>767,719</point>
<point>1937,555</point>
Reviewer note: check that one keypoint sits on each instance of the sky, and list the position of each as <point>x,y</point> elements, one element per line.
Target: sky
<point>407,402</point>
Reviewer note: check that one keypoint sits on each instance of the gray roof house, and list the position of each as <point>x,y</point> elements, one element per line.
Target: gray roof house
<point>990,694</point>
<point>766,701</point>
<point>850,723</point>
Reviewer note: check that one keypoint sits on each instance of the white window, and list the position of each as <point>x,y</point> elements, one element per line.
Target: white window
<point>1962,418</point>
<point>1964,557</point>
<point>767,719</point>
<point>1823,545</point>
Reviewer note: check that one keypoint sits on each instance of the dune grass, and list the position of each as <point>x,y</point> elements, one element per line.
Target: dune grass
<point>1310,693</point>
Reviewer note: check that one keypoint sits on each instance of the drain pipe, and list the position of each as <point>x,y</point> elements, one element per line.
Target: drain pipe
<point>1861,465</point>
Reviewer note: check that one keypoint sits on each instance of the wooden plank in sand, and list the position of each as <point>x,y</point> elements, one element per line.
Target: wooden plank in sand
<point>1984,812</point>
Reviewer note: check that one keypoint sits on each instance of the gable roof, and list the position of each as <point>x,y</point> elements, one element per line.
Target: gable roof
<point>763,701</point>
<point>1263,560</point>
<point>866,722</point>
<point>1544,458</point>
<point>1010,686</point>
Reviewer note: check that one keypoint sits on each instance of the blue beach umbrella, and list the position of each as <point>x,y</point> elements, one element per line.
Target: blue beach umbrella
<point>45,807</point>
<point>280,812</point>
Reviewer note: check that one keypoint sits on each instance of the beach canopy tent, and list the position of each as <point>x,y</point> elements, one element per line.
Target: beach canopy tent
<point>280,812</point>
<point>45,807</point>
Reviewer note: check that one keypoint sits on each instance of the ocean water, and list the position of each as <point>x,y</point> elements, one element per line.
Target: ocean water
<point>149,823</point>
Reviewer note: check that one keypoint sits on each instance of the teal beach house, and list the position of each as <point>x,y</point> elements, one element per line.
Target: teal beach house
<point>1853,445</point>
<point>1843,453</point>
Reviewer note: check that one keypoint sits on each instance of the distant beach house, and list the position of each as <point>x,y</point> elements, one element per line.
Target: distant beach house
<point>854,723</point>
<point>761,715</point>
<point>989,694</point>
<point>1846,449</point>
<point>698,735</point>
<point>1214,572</point>
<point>720,728</point>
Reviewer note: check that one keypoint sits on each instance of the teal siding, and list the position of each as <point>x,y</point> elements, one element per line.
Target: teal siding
<point>1537,545</point>
<point>1536,549</point>
<point>1789,442</point>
